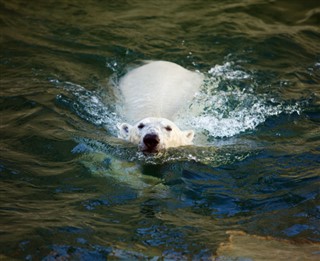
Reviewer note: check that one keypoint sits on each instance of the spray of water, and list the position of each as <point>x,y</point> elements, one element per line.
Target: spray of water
<point>88,105</point>
<point>220,109</point>
<point>223,109</point>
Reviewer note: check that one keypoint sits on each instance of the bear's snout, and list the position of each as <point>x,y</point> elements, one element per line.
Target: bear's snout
<point>151,141</point>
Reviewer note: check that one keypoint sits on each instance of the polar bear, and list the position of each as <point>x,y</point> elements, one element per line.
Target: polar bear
<point>152,95</point>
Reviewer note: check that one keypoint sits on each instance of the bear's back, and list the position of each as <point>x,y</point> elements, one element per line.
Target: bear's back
<point>157,89</point>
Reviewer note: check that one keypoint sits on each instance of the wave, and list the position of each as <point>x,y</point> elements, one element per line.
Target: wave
<point>220,109</point>
<point>225,106</point>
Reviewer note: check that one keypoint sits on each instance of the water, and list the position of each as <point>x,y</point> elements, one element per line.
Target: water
<point>71,190</point>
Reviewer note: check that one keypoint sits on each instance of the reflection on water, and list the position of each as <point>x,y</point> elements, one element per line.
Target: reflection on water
<point>71,190</point>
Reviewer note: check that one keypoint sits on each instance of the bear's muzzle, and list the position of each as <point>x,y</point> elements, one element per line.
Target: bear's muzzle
<point>151,142</point>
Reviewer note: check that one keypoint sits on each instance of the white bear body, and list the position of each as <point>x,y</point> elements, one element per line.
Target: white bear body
<point>157,89</point>
<point>152,95</point>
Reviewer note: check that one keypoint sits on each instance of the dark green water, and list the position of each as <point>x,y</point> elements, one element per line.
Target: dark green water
<point>70,190</point>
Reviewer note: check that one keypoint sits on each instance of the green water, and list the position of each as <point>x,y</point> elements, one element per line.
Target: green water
<point>70,190</point>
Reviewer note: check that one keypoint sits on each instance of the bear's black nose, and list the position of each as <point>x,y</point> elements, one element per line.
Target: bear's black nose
<point>151,140</point>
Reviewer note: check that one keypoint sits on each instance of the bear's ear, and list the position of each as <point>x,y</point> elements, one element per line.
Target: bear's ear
<point>189,134</point>
<point>124,129</point>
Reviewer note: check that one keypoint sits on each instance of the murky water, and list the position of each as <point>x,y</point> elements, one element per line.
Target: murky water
<point>70,190</point>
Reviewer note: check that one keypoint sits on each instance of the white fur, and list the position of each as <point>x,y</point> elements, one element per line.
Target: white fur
<point>152,95</point>
<point>169,134</point>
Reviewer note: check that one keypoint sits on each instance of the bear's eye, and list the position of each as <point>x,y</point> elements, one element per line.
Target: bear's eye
<point>168,128</point>
<point>140,126</point>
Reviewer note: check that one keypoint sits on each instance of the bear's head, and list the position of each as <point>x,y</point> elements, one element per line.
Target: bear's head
<point>155,134</point>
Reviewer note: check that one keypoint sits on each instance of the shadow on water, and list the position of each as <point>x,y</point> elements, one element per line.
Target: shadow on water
<point>248,189</point>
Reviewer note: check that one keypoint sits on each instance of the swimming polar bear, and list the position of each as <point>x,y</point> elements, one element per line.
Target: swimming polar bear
<point>152,95</point>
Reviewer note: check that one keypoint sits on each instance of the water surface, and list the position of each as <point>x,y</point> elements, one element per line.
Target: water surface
<point>71,190</point>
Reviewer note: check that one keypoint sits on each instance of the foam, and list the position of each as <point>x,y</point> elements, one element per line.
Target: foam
<point>230,110</point>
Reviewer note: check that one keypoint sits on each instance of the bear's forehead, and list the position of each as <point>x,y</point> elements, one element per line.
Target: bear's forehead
<point>156,121</point>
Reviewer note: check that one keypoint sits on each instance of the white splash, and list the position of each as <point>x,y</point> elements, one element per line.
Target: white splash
<point>227,72</point>
<point>88,105</point>
<point>225,112</point>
